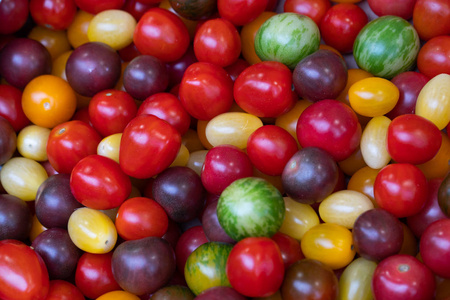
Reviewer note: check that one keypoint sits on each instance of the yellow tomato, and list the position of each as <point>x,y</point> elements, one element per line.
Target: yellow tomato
<point>298,218</point>
<point>55,41</point>
<point>356,280</point>
<point>109,146</point>
<point>362,181</point>
<point>374,142</point>
<point>288,121</point>
<point>182,157</point>
<point>118,295</point>
<point>77,31</point>
<point>59,65</point>
<point>32,142</point>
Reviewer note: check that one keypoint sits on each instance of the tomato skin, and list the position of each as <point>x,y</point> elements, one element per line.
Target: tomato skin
<point>148,146</point>
<point>63,290</point>
<point>54,14</point>
<point>434,56</point>
<point>435,249</point>
<point>96,6</point>
<point>13,15</point>
<point>241,12</point>
<point>11,107</point>
<point>431,18</point>
<point>24,275</point>
<point>315,9</point>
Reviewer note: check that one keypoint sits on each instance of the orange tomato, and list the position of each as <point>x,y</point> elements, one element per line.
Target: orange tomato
<point>77,31</point>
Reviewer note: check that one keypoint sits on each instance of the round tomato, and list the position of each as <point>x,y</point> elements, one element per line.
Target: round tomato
<point>431,18</point>
<point>241,12</point>
<point>401,8</point>
<point>63,290</point>
<point>53,14</point>
<point>434,56</point>
<point>435,247</point>
<point>96,6</point>
<point>11,107</point>
<point>13,15</point>
<point>315,9</point>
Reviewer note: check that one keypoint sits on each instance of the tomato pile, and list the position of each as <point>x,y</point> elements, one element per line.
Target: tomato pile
<point>224,149</point>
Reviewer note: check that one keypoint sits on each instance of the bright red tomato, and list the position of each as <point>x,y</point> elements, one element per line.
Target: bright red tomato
<point>111,110</point>
<point>53,14</point>
<point>290,248</point>
<point>434,56</point>
<point>401,189</point>
<point>162,34</point>
<point>141,217</point>
<point>401,8</point>
<point>315,9</point>
<point>217,41</point>
<point>13,15</point>
<point>265,89</point>
<point>148,146</point>
<point>63,290</point>
<point>402,276</point>
<point>96,6</point>
<point>435,247</point>
<point>69,142</point>
<point>255,267</point>
<point>98,182</point>
<point>241,12</point>
<point>11,107</point>
<point>341,24</point>
<point>270,147</point>
<point>23,273</point>
<point>431,18</point>
<point>206,90</point>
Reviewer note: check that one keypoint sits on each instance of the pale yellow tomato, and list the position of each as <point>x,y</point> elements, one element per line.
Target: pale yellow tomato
<point>109,146</point>
<point>356,280</point>
<point>196,161</point>
<point>374,142</point>
<point>32,142</point>
<point>298,218</point>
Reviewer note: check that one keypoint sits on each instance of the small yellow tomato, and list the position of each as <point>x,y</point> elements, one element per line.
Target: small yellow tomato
<point>118,295</point>
<point>374,142</point>
<point>298,218</point>
<point>77,31</point>
<point>59,65</point>
<point>289,119</point>
<point>356,280</point>
<point>109,146</point>
<point>182,157</point>
<point>32,142</point>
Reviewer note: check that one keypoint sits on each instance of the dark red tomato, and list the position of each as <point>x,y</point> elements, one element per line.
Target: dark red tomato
<point>13,15</point>
<point>341,24</point>
<point>265,89</point>
<point>53,14</point>
<point>402,276</point>
<point>401,189</point>
<point>11,107</point>
<point>435,247</point>
<point>111,110</point>
<point>189,240</point>
<point>129,52</point>
<point>330,125</point>
<point>217,41</point>
<point>206,90</point>
<point>94,276</point>
<point>241,12</point>
<point>255,267</point>
<point>141,217</point>
<point>269,148</point>
<point>70,142</point>
<point>96,6</point>
<point>413,139</point>
<point>167,107</point>
<point>137,8</point>
<point>431,18</point>
<point>63,290</point>
<point>162,34</point>
<point>290,249</point>
<point>401,8</point>
<point>23,273</point>
<point>434,56</point>
<point>236,68</point>
<point>98,182</point>
<point>82,114</point>
<point>148,146</point>
<point>177,68</point>
<point>315,9</point>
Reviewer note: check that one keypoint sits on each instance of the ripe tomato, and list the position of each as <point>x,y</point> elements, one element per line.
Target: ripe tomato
<point>241,12</point>
<point>63,290</point>
<point>13,15</point>
<point>431,18</point>
<point>11,107</point>
<point>315,9</point>
<point>401,8</point>
<point>53,14</point>
<point>96,6</point>
<point>435,247</point>
<point>434,56</point>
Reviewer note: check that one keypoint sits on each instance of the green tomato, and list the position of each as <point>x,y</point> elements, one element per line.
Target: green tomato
<point>287,38</point>
<point>250,207</point>
<point>386,47</point>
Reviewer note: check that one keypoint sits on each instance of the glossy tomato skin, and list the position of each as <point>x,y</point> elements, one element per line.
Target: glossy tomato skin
<point>21,262</point>
<point>69,142</point>
<point>96,6</point>
<point>315,9</point>
<point>434,56</point>
<point>13,15</point>
<point>431,18</point>
<point>435,247</point>
<point>148,146</point>
<point>53,14</point>
<point>63,290</point>
<point>241,12</point>
<point>402,276</point>
<point>11,107</point>
<point>401,8</point>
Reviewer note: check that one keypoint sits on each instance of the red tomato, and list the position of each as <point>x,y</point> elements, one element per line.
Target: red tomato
<point>217,41</point>
<point>11,107</point>
<point>96,6</point>
<point>341,24</point>
<point>167,107</point>
<point>435,247</point>
<point>413,139</point>
<point>69,142</point>
<point>63,290</point>
<point>401,189</point>
<point>189,240</point>
<point>270,147</point>
<point>13,15</point>
<point>431,18</point>
<point>206,90</point>
<point>255,267</point>
<point>137,8</point>
<point>235,69</point>
<point>315,9</point>
<point>401,8</point>
<point>98,182</point>
<point>162,34</point>
<point>53,14</point>
<point>111,110</point>
<point>141,217</point>
<point>265,89</point>
<point>434,56</point>
<point>23,273</point>
<point>402,276</point>
<point>148,146</point>
<point>94,276</point>
<point>290,248</point>
<point>241,12</point>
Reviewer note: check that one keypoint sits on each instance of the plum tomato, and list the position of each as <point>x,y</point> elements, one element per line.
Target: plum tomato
<point>241,12</point>
<point>435,247</point>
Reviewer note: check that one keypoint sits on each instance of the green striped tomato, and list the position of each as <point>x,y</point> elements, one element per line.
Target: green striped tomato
<point>250,207</point>
<point>386,47</point>
<point>287,38</point>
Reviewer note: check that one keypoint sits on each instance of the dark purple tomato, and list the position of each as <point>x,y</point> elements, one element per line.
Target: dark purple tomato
<point>180,192</point>
<point>219,293</point>
<point>189,240</point>
<point>444,195</point>
<point>144,76</point>
<point>310,175</point>
<point>15,218</point>
<point>23,59</point>
<point>172,292</point>
<point>58,252</point>
<point>377,234</point>
<point>309,279</point>
<point>93,67</point>
<point>8,140</point>
<point>409,85</point>
<point>213,230</point>
<point>54,201</point>
<point>194,9</point>
<point>13,15</point>
<point>176,69</point>
<point>321,75</point>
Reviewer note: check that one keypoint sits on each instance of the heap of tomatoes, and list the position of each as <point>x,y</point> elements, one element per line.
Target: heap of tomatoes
<point>224,149</point>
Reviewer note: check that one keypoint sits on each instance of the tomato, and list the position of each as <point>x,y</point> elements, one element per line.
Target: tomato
<point>435,249</point>
<point>77,31</point>
<point>315,9</point>
<point>96,6</point>
<point>298,218</point>
<point>433,58</point>
<point>162,34</point>
<point>188,241</point>
<point>362,181</point>
<point>255,267</point>
<point>217,41</point>
<point>118,295</point>
<point>148,146</point>
<point>13,15</point>
<point>11,107</point>
<point>374,141</point>
<point>401,189</point>
<point>55,41</point>
<point>24,275</point>
<point>241,12</point>
<point>402,277</point>
<point>54,14</point>
<point>431,18</point>
<point>265,89</point>
<point>356,280</point>
<point>63,290</point>
<point>32,142</point>
<point>290,248</point>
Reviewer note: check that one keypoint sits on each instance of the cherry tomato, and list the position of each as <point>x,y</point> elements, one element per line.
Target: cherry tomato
<point>13,15</point>
<point>137,8</point>
<point>241,12</point>
<point>401,8</point>
<point>431,18</point>
<point>63,290</point>
<point>54,14</point>
<point>55,41</point>
<point>437,167</point>
<point>77,31</point>
<point>290,248</point>
<point>315,9</point>
<point>11,107</point>
<point>96,6</point>
<point>189,240</point>
<point>435,247</point>
<point>434,56</point>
